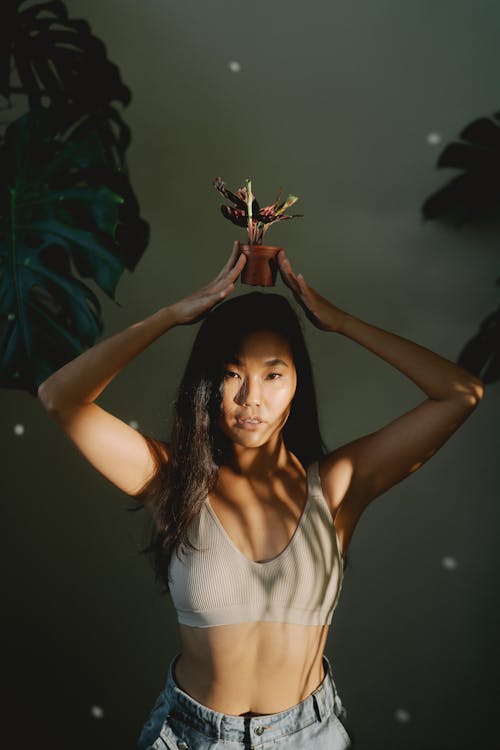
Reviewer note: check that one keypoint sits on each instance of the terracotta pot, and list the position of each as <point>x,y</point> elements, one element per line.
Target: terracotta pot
<point>261,266</point>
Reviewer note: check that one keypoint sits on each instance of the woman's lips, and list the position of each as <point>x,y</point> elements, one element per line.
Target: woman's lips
<point>248,425</point>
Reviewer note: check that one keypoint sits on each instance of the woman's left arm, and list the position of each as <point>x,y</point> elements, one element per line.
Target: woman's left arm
<point>383,458</point>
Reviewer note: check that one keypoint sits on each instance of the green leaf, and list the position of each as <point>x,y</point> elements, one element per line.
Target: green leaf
<point>52,216</point>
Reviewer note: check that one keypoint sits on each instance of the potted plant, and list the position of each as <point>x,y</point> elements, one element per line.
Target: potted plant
<point>261,266</point>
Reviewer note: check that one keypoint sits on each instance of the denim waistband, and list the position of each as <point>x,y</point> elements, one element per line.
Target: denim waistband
<point>315,707</point>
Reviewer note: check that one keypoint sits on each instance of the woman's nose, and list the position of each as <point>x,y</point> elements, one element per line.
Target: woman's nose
<point>249,394</point>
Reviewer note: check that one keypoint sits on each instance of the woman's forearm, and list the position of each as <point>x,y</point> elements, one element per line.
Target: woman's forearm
<point>82,379</point>
<point>437,376</point>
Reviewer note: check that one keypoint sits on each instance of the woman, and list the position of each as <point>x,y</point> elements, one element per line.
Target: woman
<point>252,516</point>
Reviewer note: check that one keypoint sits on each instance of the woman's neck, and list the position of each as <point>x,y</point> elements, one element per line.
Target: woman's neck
<point>263,462</point>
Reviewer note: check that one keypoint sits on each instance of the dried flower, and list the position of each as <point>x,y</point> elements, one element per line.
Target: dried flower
<point>246,211</point>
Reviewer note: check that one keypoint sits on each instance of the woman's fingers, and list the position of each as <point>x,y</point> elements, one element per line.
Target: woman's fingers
<point>224,284</point>
<point>227,275</point>
<point>238,266</point>
<point>287,274</point>
<point>232,258</point>
<point>224,292</point>
<point>231,274</point>
<point>193,308</point>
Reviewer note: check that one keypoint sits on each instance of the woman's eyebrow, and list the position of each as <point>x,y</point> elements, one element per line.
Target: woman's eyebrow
<point>275,361</point>
<point>270,362</point>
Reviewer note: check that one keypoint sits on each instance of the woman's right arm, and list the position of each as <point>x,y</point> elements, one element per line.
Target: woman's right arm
<point>115,449</point>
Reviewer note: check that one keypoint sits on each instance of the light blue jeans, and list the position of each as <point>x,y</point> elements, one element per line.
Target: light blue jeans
<point>179,722</point>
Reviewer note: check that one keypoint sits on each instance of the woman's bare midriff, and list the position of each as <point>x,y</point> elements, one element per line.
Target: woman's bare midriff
<point>257,667</point>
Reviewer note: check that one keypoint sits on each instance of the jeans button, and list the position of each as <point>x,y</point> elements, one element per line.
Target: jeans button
<point>259,730</point>
<point>182,745</point>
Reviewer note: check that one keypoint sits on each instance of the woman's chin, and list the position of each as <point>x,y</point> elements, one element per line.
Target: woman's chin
<point>246,436</point>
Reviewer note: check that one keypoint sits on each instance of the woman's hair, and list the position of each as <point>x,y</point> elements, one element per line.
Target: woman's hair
<point>197,446</point>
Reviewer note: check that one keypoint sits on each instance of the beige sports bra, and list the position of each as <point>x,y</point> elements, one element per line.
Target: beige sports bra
<point>218,585</point>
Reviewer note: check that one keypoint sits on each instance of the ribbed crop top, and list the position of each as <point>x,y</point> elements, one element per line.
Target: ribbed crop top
<point>218,585</point>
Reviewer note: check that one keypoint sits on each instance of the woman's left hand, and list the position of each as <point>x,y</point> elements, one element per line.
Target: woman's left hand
<point>319,310</point>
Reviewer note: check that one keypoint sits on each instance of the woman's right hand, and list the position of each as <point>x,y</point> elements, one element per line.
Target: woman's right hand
<point>191,309</point>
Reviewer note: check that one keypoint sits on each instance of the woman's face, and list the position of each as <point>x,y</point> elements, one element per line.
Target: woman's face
<point>260,383</point>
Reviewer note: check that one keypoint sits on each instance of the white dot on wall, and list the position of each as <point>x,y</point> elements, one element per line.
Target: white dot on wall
<point>449,563</point>
<point>402,715</point>
<point>134,423</point>
<point>96,712</point>
<point>433,139</point>
<point>18,429</point>
<point>234,66</point>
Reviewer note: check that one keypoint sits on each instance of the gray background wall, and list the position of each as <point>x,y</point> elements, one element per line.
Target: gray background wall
<point>334,101</point>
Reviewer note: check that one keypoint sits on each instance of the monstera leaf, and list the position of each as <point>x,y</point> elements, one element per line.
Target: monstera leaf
<point>475,193</point>
<point>55,57</point>
<point>481,354</point>
<point>56,212</point>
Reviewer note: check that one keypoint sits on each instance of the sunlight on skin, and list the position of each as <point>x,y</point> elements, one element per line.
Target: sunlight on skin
<point>255,387</point>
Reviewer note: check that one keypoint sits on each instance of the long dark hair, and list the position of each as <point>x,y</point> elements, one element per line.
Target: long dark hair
<point>197,446</point>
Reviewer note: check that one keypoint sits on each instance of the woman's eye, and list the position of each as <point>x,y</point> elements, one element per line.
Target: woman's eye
<point>272,375</point>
